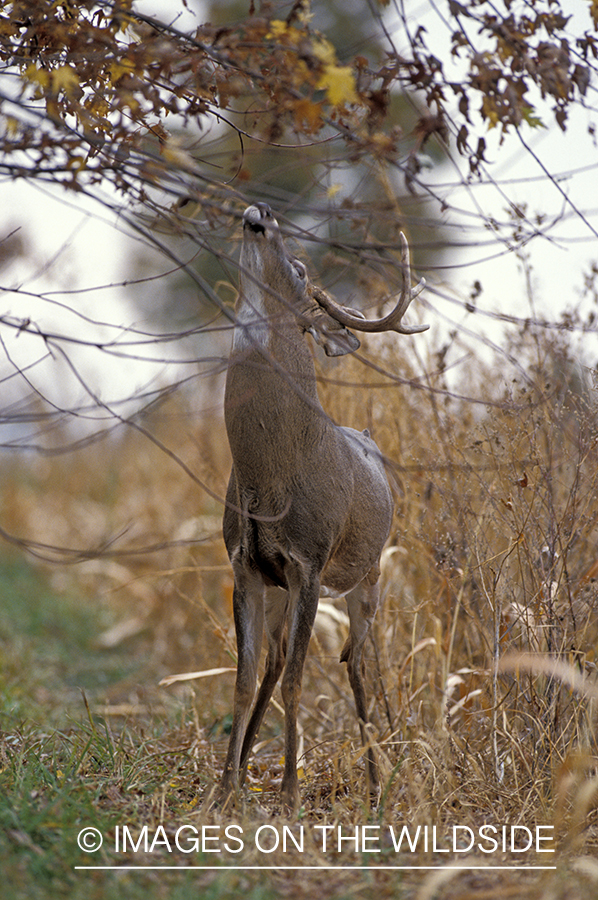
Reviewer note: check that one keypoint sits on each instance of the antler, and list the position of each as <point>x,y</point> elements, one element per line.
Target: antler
<point>391,322</point>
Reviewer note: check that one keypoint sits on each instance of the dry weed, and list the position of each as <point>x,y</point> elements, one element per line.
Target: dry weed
<point>493,551</point>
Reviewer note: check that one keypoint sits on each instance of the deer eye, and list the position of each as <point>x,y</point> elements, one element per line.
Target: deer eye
<point>299,269</point>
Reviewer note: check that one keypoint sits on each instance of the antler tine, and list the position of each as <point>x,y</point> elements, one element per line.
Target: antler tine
<point>407,295</point>
<point>391,322</point>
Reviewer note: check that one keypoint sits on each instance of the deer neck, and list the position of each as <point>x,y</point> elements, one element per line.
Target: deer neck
<point>273,330</point>
<point>271,393</point>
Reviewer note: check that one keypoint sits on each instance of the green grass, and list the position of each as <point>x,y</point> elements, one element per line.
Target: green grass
<point>48,646</point>
<point>63,768</point>
<point>54,785</point>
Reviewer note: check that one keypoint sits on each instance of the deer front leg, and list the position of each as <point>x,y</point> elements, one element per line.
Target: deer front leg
<point>303,615</point>
<point>276,614</point>
<point>248,610</point>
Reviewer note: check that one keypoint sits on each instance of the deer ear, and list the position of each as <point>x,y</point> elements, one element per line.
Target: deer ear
<point>331,335</point>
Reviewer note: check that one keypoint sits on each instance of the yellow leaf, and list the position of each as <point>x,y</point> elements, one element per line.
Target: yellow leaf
<point>324,51</point>
<point>38,76</point>
<point>13,127</point>
<point>490,111</point>
<point>120,67</point>
<point>283,33</point>
<point>97,106</point>
<point>64,78</point>
<point>339,82</point>
<point>278,29</point>
<point>333,190</point>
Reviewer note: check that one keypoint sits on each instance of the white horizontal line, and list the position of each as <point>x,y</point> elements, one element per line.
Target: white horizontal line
<point>328,868</point>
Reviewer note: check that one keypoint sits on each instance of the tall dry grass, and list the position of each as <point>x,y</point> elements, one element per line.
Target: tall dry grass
<point>482,666</point>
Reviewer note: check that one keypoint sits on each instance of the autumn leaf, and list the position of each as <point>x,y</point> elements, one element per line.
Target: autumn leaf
<point>325,52</point>
<point>531,118</point>
<point>120,67</point>
<point>490,112</point>
<point>282,32</point>
<point>38,76</point>
<point>12,125</point>
<point>339,83</point>
<point>308,114</point>
<point>64,78</point>
<point>112,73</point>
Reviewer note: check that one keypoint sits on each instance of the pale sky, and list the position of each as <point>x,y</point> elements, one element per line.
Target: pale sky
<point>80,247</point>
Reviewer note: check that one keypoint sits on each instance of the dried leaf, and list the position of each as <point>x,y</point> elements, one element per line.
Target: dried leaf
<point>190,676</point>
<point>64,78</point>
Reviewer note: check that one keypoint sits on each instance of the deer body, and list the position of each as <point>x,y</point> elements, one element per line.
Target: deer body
<point>308,502</point>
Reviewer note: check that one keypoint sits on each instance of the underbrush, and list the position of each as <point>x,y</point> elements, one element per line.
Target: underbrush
<point>482,666</point>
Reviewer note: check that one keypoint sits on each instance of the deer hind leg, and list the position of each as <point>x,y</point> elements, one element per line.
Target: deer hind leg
<point>304,603</point>
<point>248,610</point>
<point>362,604</point>
<point>276,614</point>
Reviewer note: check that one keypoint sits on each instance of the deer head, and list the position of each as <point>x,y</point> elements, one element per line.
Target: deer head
<point>325,319</point>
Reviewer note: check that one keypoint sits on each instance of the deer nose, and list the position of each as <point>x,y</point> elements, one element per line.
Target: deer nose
<point>254,215</point>
<point>261,210</point>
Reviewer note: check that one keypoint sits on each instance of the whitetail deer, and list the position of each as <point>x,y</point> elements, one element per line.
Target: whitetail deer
<point>308,502</point>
